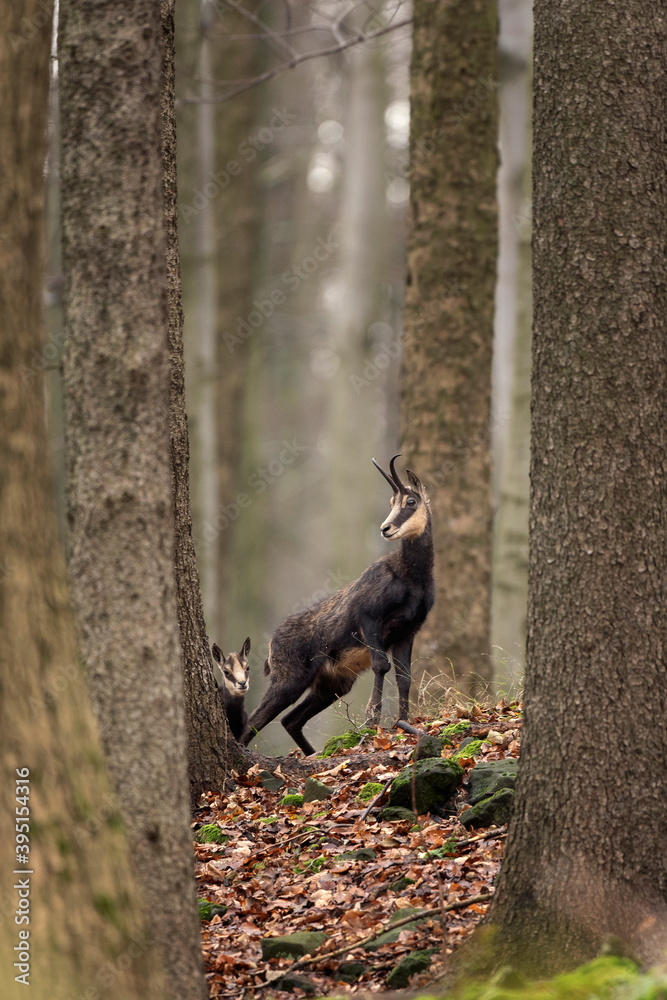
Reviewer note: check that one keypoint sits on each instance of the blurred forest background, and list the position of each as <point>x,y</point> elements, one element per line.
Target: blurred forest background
<point>293,160</point>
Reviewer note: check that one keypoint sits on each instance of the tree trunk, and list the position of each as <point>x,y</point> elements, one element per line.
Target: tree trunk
<point>512,335</point>
<point>587,851</point>
<point>210,746</point>
<point>79,920</point>
<point>446,377</point>
<point>116,381</point>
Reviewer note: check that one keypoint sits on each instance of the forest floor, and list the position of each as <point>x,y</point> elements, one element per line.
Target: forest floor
<point>287,869</point>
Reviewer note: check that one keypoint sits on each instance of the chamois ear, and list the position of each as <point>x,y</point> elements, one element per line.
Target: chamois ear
<point>245,649</point>
<point>414,481</point>
<point>218,654</point>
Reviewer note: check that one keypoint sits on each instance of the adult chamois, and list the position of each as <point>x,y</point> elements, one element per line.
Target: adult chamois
<point>326,647</point>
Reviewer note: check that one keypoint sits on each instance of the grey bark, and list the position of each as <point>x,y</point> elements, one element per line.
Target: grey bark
<point>116,382</point>
<point>587,849</point>
<point>210,747</point>
<point>446,376</point>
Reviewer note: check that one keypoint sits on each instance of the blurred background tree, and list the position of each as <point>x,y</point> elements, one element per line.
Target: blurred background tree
<point>294,181</point>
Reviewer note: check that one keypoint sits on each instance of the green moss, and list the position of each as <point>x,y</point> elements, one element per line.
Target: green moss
<point>472,749</point>
<point>291,800</point>
<point>268,819</point>
<point>345,741</point>
<point>605,978</point>
<point>456,728</point>
<point>370,790</point>
<point>210,833</point>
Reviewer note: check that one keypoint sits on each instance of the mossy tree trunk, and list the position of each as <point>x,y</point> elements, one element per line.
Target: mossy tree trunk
<point>86,932</point>
<point>587,850</point>
<point>446,375</point>
<point>116,383</point>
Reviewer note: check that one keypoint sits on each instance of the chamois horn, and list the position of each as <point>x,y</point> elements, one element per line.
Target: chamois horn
<point>395,476</point>
<point>390,481</point>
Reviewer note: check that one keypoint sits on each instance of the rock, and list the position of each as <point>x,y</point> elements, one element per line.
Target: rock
<point>417,961</point>
<point>370,790</point>
<point>315,790</point>
<point>344,742</point>
<point>271,781</point>
<point>210,833</point>
<point>400,884</point>
<point>292,945</point>
<point>208,910</point>
<point>293,981</point>
<point>436,780</point>
<point>362,854</point>
<point>430,746</point>
<point>291,800</point>
<point>397,814</point>
<point>489,812</point>
<point>349,972</point>
<point>389,936</point>
<point>489,776</point>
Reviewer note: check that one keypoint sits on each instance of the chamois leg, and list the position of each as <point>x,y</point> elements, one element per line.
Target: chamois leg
<point>314,703</point>
<point>274,701</point>
<point>402,656</point>
<point>380,666</point>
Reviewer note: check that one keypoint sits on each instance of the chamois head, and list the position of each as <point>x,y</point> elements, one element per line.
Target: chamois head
<point>409,506</point>
<point>234,668</point>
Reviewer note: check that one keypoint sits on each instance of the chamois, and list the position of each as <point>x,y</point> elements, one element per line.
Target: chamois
<point>326,647</point>
<point>234,684</point>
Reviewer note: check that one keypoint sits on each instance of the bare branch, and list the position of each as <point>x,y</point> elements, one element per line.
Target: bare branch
<point>269,74</point>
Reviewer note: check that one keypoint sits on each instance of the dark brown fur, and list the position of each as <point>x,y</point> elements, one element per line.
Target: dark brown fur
<point>324,649</point>
<point>234,670</point>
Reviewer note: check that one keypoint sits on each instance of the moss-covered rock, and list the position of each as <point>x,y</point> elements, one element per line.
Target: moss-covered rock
<point>397,814</point>
<point>400,884</point>
<point>295,799</point>
<point>362,854</point>
<point>467,749</point>
<point>391,935</point>
<point>489,776</point>
<point>208,910</point>
<point>293,981</point>
<point>272,782</point>
<point>435,781</point>
<point>210,833</point>
<point>430,746</point>
<point>345,741</point>
<point>495,810</point>
<point>456,728</point>
<point>370,790</point>
<point>416,961</point>
<point>292,945</point>
<point>349,972</point>
<point>315,791</point>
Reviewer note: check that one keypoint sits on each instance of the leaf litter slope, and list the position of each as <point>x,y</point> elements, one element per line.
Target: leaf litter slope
<point>286,869</point>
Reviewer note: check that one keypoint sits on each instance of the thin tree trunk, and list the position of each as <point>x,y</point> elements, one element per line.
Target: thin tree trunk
<point>446,376</point>
<point>70,915</point>
<point>587,850</point>
<point>512,335</point>
<point>210,747</point>
<point>119,494</point>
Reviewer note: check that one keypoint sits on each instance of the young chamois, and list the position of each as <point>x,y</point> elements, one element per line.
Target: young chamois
<point>234,684</point>
<point>326,647</point>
